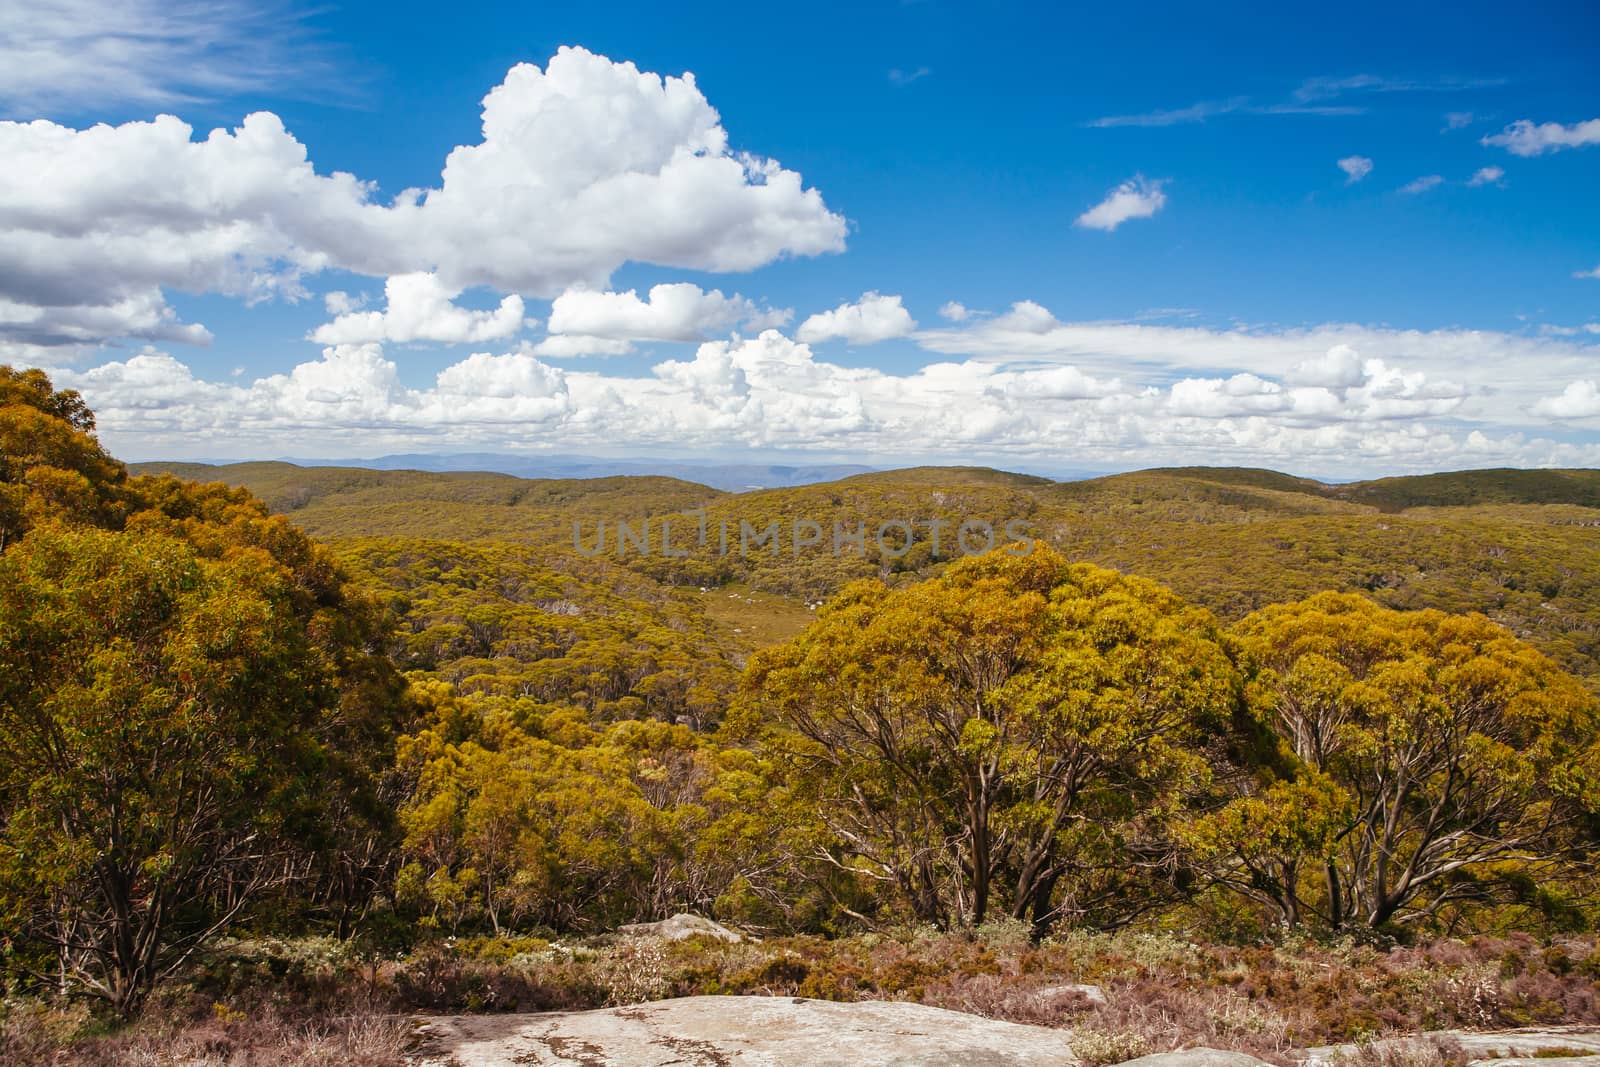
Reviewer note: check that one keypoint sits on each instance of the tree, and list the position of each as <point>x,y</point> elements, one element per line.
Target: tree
<point>51,466</point>
<point>191,708</point>
<point>994,730</point>
<point>1424,747</point>
<point>155,715</point>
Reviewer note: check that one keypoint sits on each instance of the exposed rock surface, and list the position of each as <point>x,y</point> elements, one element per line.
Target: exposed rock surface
<point>784,1031</point>
<point>1197,1057</point>
<point>679,927</point>
<point>1496,1045</point>
<point>745,1032</point>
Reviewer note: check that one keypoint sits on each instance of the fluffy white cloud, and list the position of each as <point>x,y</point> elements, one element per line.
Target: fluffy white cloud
<point>954,311</point>
<point>573,345</point>
<point>1526,138</point>
<point>1587,273</point>
<point>1423,184</point>
<point>675,312</point>
<point>1338,368</point>
<point>1335,400</point>
<point>1487,176</point>
<point>1579,400</point>
<point>418,307</point>
<point>1135,198</point>
<point>142,313</point>
<point>1355,168</point>
<point>583,166</point>
<point>339,302</point>
<point>1485,377</point>
<point>588,164</point>
<point>873,318</point>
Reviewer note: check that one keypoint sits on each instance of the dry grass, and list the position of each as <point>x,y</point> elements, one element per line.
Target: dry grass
<point>307,1002</point>
<point>267,1037</point>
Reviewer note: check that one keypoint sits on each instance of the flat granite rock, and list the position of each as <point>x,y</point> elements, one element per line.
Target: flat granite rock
<point>1197,1057</point>
<point>744,1032</point>
<point>1495,1045</point>
<point>678,927</point>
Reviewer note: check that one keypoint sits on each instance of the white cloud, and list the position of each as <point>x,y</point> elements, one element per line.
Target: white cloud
<point>1024,385</point>
<point>1587,273</point>
<point>583,166</point>
<point>339,302</point>
<point>1492,379</point>
<point>419,308</point>
<point>1340,367</point>
<point>1579,400</point>
<point>1314,96</point>
<point>64,53</point>
<point>1135,198</point>
<point>906,77</point>
<point>1197,112</point>
<point>871,319</point>
<point>1487,176</point>
<point>573,345</point>
<point>1456,120</point>
<point>1422,184</point>
<point>1355,168</point>
<point>954,311</point>
<point>675,312</point>
<point>141,313</point>
<point>1525,138</point>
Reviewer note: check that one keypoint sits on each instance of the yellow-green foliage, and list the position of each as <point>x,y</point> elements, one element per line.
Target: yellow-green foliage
<point>1519,546</point>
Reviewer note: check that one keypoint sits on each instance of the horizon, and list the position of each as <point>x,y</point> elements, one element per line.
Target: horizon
<point>365,463</point>
<point>1352,243</point>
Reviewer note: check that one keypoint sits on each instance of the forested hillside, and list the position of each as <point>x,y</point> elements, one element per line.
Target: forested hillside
<point>1523,547</point>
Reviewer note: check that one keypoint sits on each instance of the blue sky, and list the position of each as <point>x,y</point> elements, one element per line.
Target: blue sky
<point>960,149</point>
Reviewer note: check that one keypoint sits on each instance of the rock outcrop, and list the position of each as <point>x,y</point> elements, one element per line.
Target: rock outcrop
<point>1500,1045</point>
<point>679,927</point>
<point>745,1032</point>
<point>1197,1057</point>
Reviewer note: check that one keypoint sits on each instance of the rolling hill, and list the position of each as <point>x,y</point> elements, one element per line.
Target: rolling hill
<point>1521,546</point>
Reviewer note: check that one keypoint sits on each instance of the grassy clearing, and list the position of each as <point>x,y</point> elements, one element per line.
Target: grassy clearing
<point>754,619</point>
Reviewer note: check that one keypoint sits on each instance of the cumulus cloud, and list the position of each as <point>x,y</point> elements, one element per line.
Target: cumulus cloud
<point>418,307</point>
<point>582,166</point>
<point>1339,400</point>
<point>572,345</point>
<point>1579,400</point>
<point>1355,168</point>
<point>871,319</point>
<point>1526,138</point>
<point>675,312</point>
<point>1338,368</point>
<point>339,302</point>
<point>1422,184</point>
<point>1487,176</point>
<point>954,311</point>
<point>141,313</point>
<point>1489,378</point>
<point>1135,198</point>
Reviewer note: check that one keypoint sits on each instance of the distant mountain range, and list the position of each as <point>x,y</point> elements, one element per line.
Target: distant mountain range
<point>730,477</point>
